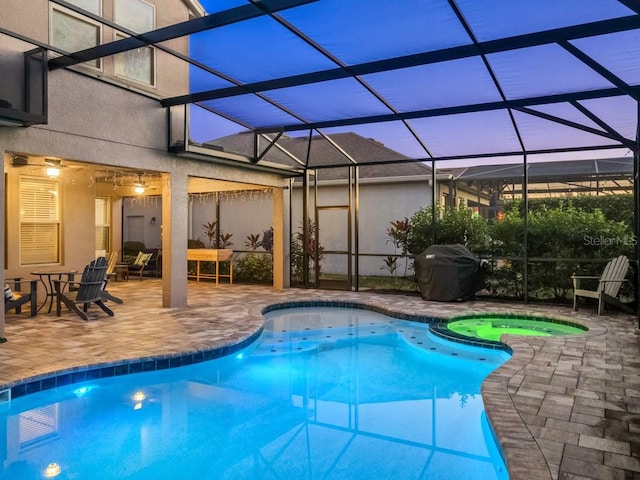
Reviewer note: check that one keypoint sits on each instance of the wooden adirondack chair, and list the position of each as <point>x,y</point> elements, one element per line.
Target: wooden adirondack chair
<point>111,267</point>
<point>609,284</point>
<point>20,297</point>
<point>111,264</point>
<point>89,290</point>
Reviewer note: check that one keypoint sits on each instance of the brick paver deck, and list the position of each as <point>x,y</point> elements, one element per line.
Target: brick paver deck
<point>563,407</point>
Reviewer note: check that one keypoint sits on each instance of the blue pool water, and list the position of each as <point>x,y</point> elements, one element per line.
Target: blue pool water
<point>329,394</point>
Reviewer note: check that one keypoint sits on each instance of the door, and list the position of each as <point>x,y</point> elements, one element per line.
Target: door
<point>135,228</point>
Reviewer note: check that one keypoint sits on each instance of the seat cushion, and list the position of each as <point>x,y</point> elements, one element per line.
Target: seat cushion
<point>8,294</point>
<point>142,258</point>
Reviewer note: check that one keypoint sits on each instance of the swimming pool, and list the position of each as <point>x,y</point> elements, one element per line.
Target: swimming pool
<point>324,393</point>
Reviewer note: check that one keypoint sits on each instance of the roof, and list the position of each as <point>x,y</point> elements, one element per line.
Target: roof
<point>324,153</point>
<point>551,171</point>
<point>439,79</point>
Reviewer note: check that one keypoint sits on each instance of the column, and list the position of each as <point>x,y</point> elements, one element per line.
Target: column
<point>175,203</point>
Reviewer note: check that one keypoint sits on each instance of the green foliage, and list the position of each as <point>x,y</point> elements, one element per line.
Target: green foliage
<point>390,264</point>
<point>397,233</point>
<point>215,240</point>
<point>195,243</point>
<point>298,253</point>
<point>618,208</point>
<point>254,268</point>
<point>210,231</point>
<point>564,237</point>
<point>252,242</point>
<point>453,225</point>
<point>558,239</point>
<point>224,240</point>
<point>267,240</point>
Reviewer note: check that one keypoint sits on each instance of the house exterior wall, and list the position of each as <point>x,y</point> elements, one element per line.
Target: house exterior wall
<point>380,204</point>
<point>32,19</point>
<point>98,123</point>
<point>241,214</point>
<point>103,125</point>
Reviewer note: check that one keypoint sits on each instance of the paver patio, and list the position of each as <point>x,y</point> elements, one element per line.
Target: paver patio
<point>562,407</point>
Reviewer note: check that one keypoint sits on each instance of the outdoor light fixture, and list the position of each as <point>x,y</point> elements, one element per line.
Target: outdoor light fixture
<point>52,172</point>
<point>52,167</point>
<point>139,185</point>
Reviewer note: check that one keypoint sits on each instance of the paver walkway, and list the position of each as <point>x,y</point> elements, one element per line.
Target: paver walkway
<point>563,407</point>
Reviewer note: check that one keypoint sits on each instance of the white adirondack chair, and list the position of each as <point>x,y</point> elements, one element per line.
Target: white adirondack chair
<point>609,284</point>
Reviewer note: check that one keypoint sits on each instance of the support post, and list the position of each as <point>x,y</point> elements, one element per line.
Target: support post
<point>175,203</point>
<point>525,202</point>
<point>636,210</point>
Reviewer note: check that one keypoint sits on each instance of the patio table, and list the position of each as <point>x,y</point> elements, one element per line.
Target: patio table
<point>47,280</point>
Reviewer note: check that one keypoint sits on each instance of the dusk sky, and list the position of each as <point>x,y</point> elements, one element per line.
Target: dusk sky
<point>351,33</point>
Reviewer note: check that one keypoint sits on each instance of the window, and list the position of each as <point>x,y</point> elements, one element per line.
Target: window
<point>138,64</point>
<point>103,224</point>
<point>72,32</point>
<point>39,221</point>
<point>135,15</point>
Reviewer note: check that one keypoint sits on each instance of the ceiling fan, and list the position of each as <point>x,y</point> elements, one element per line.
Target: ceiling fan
<point>140,186</point>
<point>52,166</point>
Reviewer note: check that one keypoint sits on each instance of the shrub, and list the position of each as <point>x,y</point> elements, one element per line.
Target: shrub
<point>453,225</point>
<point>558,239</point>
<point>298,252</point>
<point>254,268</point>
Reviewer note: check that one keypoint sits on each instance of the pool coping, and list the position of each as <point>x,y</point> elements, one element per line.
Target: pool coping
<point>521,452</point>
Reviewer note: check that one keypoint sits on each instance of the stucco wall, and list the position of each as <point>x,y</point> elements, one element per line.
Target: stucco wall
<point>380,204</point>
<point>101,124</point>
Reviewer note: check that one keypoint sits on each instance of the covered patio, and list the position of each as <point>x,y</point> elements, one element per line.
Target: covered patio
<point>551,405</point>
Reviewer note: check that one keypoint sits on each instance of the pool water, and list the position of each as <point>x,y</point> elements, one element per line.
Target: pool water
<point>329,394</point>
<point>492,327</point>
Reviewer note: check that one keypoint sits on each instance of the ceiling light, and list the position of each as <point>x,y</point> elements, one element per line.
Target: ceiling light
<point>52,172</point>
<point>139,189</point>
<point>52,167</point>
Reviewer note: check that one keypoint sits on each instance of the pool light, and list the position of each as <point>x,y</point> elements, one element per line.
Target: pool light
<point>82,391</point>
<point>138,397</point>
<point>52,470</point>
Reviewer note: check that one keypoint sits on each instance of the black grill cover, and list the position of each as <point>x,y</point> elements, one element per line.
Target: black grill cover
<point>447,273</point>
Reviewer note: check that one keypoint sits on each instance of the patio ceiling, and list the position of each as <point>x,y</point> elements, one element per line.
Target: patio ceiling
<point>431,79</point>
